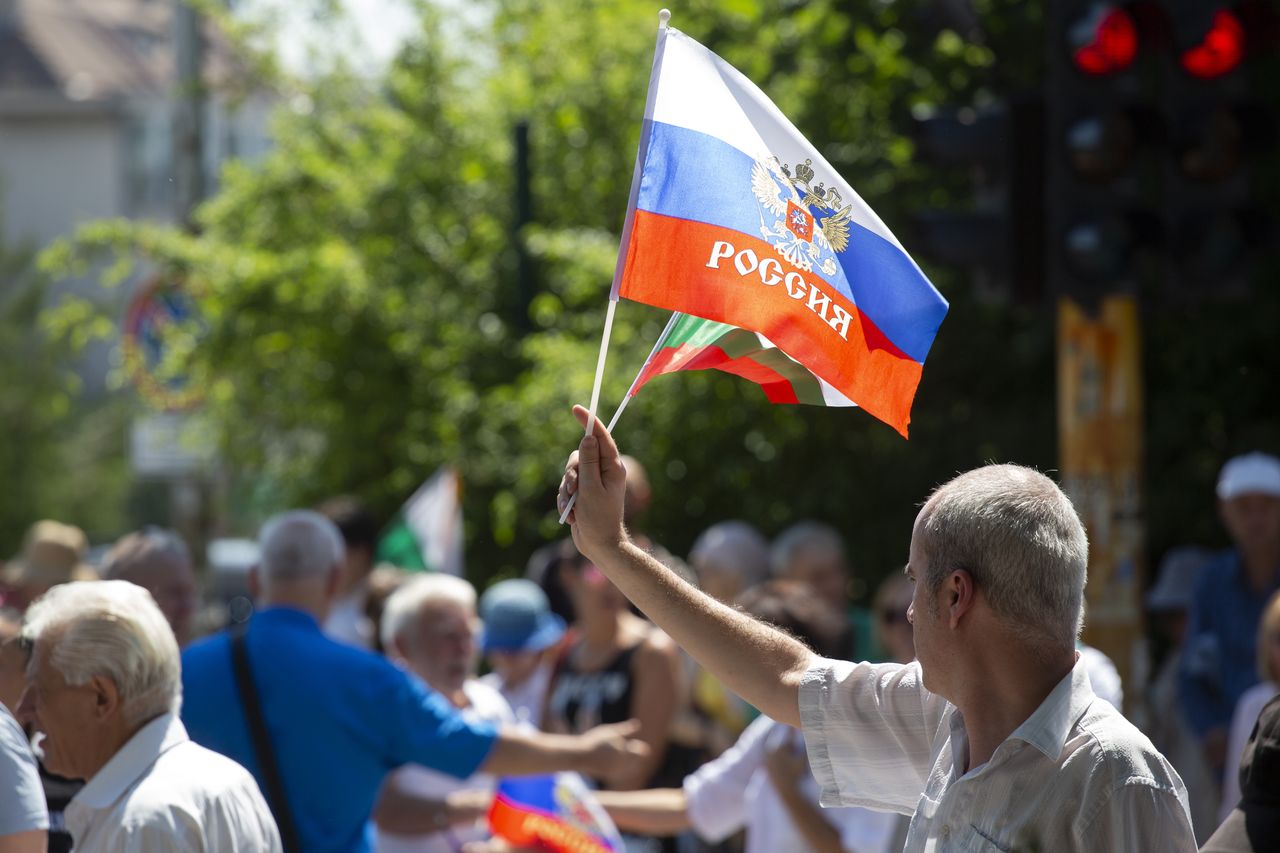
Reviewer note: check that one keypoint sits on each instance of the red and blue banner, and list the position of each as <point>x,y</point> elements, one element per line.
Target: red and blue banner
<point>739,220</point>
<point>556,813</point>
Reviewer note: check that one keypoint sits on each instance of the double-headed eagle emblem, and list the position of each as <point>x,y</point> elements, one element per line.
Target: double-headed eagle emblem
<point>810,225</point>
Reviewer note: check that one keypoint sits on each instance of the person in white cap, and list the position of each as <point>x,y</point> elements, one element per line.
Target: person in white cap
<point>1222,635</point>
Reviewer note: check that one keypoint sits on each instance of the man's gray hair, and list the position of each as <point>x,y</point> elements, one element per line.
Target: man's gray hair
<point>114,630</point>
<point>801,537</point>
<point>405,605</point>
<point>735,545</point>
<point>299,545</point>
<point>1020,538</point>
<point>139,549</point>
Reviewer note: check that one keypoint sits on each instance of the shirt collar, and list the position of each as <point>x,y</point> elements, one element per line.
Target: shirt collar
<point>1050,724</point>
<point>132,761</point>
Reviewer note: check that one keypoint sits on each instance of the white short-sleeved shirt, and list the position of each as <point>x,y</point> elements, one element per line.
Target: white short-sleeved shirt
<point>487,705</point>
<point>735,791</point>
<point>22,805</point>
<point>1075,776</point>
<point>162,791</point>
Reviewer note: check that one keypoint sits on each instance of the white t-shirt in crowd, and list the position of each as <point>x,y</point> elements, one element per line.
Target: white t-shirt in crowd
<point>162,791</point>
<point>735,792</point>
<point>486,704</point>
<point>1245,717</point>
<point>346,621</point>
<point>528,699</point>
<point>22,805</point>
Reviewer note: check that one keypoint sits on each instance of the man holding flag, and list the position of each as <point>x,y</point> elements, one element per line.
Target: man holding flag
<point>993,739</point>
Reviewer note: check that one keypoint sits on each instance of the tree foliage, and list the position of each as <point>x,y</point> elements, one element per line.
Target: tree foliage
<point>362,321</point>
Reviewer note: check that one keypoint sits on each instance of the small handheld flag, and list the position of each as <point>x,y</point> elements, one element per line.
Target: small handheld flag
<point>738,219</point>
<point>556,813</point>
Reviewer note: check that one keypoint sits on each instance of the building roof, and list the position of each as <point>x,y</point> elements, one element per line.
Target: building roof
<point>91,50</point>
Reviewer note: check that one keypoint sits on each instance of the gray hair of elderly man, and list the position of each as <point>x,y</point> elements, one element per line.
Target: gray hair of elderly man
<point>1019,537</point>
<point>736,545</point>
<point>406,604</point>
<point>110,629</point>
<point>802,537</point>
<point>299,545</point>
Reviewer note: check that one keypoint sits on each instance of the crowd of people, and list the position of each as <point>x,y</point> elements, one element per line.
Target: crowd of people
<point>738,700</point>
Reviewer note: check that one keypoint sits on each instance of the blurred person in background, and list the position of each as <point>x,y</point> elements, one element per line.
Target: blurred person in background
<point>158,561</point>
<point>619,667</point>
<point>24,821</point>
<point>384,580</point>
<point>893,628</point>
<point>1226,606</point>
<point>13,659</point>
<point>52,553</point>
<point>104,689</point>
<point>339,719</point>
<point>1252,702</point>
<point>762,783</point>
<point>814,553</point>
<point>347,621</point>
<point>1253,826</point>
<point>727,558</point>
<point>519,641</point>
<point>1167,604</point>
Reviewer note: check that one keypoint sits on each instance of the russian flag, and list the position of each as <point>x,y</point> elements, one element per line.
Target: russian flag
<point>736,218</point>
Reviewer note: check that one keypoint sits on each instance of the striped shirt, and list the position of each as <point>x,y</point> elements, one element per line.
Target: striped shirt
<point>1075,776</point>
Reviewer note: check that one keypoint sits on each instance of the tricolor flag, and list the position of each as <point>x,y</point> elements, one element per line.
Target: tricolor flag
<point>556,813</point>
<point>736,218</point>
<point>426,535</point>
<point>692,343</point>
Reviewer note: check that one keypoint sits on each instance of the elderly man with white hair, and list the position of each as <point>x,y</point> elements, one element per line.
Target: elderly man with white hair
<point>321,723</point>
<point>993,739</point>
<point>103,689</point>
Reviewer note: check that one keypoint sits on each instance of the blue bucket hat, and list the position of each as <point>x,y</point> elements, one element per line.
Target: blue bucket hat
<point>518,618</point>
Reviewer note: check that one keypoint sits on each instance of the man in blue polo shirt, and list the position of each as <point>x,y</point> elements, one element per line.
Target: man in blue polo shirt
<point>1220,659</point>
<point>339,718</point>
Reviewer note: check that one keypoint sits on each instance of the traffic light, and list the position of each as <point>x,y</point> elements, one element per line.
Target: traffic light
<point>1101,223</point>
<point>1221,130</point>
<point>1156,126</point>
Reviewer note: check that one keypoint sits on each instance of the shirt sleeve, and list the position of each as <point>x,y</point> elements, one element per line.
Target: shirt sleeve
<point>22,804</point>
<point>716,793</point>
<point>1142,817</point>
<point>425,729</point>
<point>869,729</point>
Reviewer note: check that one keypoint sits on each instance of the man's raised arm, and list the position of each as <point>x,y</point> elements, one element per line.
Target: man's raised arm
<point>759,663</point>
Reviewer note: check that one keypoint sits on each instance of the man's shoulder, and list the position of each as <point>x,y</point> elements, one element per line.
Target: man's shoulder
<point>1119,753</point>
<point>187,778</point>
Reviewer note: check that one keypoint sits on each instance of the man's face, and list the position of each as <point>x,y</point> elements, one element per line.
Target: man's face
<point>926,627</point>
<point>172,583</point>
<point>1253,520</point>
<point>443,649</point>
<point>65,714</point>
<point>824,570</point>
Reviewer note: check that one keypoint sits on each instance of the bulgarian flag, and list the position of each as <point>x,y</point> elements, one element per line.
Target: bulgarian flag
<point>426,535</point>
<point>736,218</point>
<point>691,343</point>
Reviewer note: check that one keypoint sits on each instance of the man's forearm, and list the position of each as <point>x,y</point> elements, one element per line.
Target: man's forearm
<point>524,753</point>
<point>657,811</point>
<point>757,662</point>
<point>809,821</point>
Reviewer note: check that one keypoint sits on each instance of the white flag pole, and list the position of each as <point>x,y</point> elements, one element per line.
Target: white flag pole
<point>662,339</point>
<point>641,151</point>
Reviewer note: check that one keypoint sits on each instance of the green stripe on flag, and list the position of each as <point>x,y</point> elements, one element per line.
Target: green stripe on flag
<point>399,547</point>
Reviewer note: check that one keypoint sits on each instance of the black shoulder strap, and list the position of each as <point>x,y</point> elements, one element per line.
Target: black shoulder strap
<point>261,742</point>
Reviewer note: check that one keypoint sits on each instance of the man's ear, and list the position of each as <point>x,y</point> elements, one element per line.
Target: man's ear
<point>255,583</point>
<point>106,697</point>
<point>961,596</point>
<point>333,581</point>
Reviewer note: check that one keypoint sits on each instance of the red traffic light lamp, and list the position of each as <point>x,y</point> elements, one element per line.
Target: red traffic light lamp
<point>1221,49</point>
<point>1105,41</point>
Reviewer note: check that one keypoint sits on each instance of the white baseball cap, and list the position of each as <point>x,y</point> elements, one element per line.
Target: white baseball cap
<point>1252,473</point>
